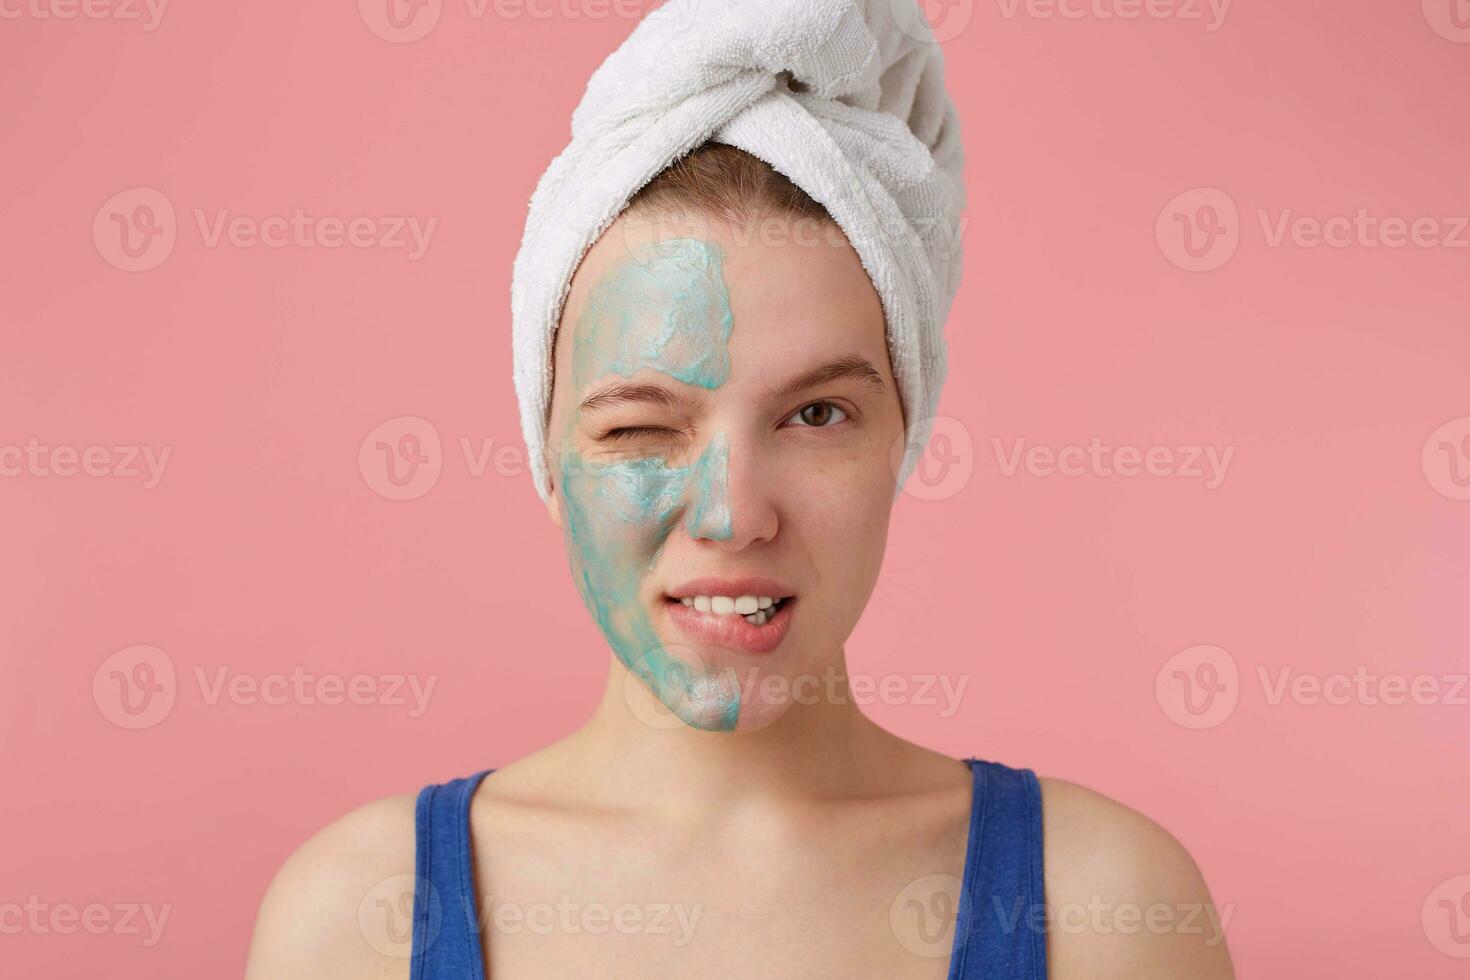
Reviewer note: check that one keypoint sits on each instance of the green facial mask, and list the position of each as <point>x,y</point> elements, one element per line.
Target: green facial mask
<point>666,308</point>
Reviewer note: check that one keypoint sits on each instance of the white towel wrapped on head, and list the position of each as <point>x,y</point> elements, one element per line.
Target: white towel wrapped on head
<point>845,98</point>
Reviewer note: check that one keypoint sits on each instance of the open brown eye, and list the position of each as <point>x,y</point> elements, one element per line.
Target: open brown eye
<point>818,415</point>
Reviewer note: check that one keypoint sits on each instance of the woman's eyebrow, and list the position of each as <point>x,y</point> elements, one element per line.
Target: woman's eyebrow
<point>624,392</point>
<point>848,367</point>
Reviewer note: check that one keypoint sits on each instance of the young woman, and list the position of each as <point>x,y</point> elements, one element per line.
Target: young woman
<point>743,455</point>
<point>730,382</point>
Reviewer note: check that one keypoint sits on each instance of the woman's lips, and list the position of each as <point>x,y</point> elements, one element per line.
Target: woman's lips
<point>730,630</point>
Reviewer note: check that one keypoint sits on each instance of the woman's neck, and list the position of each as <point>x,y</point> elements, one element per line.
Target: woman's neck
<point>637,753</point>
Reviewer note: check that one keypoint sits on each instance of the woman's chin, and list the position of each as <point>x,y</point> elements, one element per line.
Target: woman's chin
<point>709,688</point>
<point>759,699</point>
<point>756,713</point>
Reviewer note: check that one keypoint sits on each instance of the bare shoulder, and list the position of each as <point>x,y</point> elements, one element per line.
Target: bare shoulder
<point>341,904</point>
<point>1124,896</point>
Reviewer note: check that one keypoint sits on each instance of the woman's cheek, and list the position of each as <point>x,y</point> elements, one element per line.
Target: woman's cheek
<point>836,492</point>
<point>617,520</point>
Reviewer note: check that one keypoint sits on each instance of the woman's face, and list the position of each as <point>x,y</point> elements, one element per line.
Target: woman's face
<point>723,419</point>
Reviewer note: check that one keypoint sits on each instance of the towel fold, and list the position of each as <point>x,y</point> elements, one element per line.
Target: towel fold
<point>846,98</point>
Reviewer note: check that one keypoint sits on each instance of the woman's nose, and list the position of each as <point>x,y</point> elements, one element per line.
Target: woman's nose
<point>728,498</point>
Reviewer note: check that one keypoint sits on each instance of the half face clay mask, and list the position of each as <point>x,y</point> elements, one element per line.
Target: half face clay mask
<point>665,308</point>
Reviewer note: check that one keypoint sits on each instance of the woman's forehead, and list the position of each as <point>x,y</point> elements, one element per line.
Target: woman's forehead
<point>665,306</point>
<point>788,299</point>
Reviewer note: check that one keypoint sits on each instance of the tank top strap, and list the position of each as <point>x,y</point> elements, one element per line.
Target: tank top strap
<point>446,927</point>
<point>1001,926</point>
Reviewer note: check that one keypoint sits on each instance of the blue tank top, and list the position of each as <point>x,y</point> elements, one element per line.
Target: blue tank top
<point>999,929</point>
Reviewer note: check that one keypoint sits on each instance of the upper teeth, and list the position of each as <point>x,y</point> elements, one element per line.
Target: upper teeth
<point>743,604</point>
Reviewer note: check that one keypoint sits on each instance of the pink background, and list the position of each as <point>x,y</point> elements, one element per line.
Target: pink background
<point>1337,539</point>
